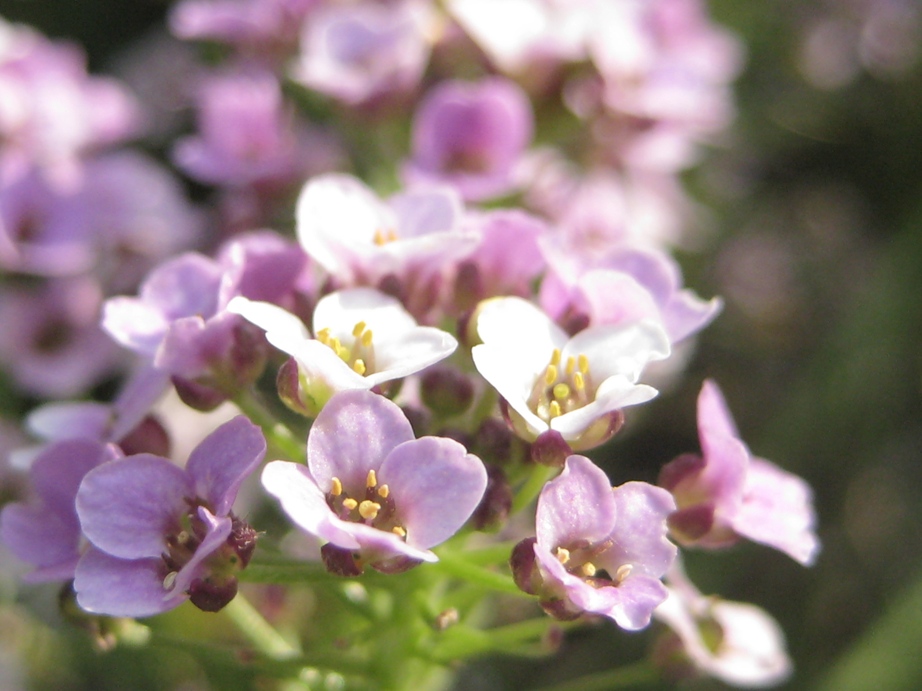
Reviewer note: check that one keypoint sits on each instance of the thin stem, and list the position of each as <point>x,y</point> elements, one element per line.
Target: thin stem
<point>532,486</point>
<point>258,631</point>
<point>456,566</point>
<point>639,673</point>
<point>276,433</point>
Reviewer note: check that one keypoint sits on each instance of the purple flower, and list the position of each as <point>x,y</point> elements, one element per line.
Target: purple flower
<point>45,532</point>
<point>373,492</point>
<point>471,135</point>
<point>726,493</point>
<point>599,549</point>
<point>360,51</point>
<point>161,534</point>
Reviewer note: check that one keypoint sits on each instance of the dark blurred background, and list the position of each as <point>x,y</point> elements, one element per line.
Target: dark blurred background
<point>814,198</point>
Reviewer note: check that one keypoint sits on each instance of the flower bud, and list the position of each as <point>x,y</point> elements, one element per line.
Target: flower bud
<point>198,395</point>
<point>493,510</point>
<point>340,561</point>
<point>288,383</point>
<point>150,436</point>
<point>446,391</point>
<point>550,449</point>
<point>524,566</point>
<point>211,594</point>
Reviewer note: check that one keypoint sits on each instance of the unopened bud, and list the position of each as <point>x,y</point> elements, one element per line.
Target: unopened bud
<point>493,510</point>
<point>340,561</point>
<point>288,384</point>
<point>149,436</point>
<point>198,395</point>
<point>524,566</point>
<point>212,594</point>
<point>550,449</point>
<point>446,391</point>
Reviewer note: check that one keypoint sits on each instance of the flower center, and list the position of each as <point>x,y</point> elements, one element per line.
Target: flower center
<point>562,388</point>
<point>384,236</point>
<point>578,561</point>
<point>375,507</point>
<point>360,356</point>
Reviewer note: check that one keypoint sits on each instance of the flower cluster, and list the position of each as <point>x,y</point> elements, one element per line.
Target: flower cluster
<point>423,330</point>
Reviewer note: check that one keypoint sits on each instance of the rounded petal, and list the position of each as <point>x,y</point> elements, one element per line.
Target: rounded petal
<point>353,434</point>
<point>713,414</point>
<point>639,535</point>
<point>506,372</point>
<point>383,314</point>
<point>409,352</point>
<point>575,506</point>
<point>620,349</point>
<point>134,324</point>
<point>38,536</point>
<point>435,485</point>
<point>613,394</point>
<point>513,320</point>
<point>270,318</point>
<point>122,587</point>
<point>127,506</point>
<point>305,503</point>
<point>223,460</point>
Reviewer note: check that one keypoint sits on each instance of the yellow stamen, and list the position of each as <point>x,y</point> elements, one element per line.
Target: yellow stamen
<point>372,480</point>
<point>623,572</point>
<point>571,365</point>
<point>369,509</point>
<point>563,555</point>
<point>561,391</point>
<point>588,569</point>
<point>170,580</point>
<point>550,375</point>
<point>350,503</point>
<point>366,338</point>
<point>555,410</point>
<point>578,382</point>
<point>337,487</point>
<point>379,238</point>
<point>383,491</point>
<point>555,357</point>
<point>397,530</point>
<point>583,364</point>
<point>358,329</point>
<point>359,366</point>
<point>324,336</point>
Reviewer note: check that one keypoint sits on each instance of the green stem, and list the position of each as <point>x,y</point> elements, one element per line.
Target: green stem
<point>458,567</point>
<point>277,434</point>
<point>461,642</point>
<point>258,631</point>
<point>532,486</point>
<point>639,673</point>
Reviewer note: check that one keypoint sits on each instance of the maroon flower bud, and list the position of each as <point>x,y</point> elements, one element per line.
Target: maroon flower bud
<point>211,594</point>
<point>288,383</point>
<point>550,449</point>
<point>340,561</point>
<point>468,287</point>
<point>149,436</point>
<point>525,571</point>
<point>198,395</point>
<point>493,510</point>
<point>493,441</point>
<point>446,391</point>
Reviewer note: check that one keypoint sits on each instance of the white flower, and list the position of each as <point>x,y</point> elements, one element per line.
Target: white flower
<point>362,338</point>
<point>553,382</point>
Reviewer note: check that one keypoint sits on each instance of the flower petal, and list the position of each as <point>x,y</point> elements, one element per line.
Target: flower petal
<point>122,587</point>
<point>639,535</point>
<point>127,506</point>
<point>270,318</point>
<point>435,485</point>
<point>353,434</point>
<point>575,506</point>
<point>409,352</point>
<point>223,460</point>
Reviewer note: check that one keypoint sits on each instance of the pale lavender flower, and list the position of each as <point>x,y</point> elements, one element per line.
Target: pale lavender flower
<point>362,339</point>
<point>44,531</point>
<point>373,492</point>
<point>51,343</point>
<point>549,381</point>
<point>360,51</point>
<point>471,135</point>
<point>51,110</point>
<point>735,642</point>
<point>263,265</point>
<point>599,549</point>
<point>161,534</point>
<point>403,242</point>
<point>726,493</point>
<point>248,136</point>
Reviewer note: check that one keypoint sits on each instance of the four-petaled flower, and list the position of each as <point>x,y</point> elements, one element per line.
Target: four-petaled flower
<point>574,386</point>
<point>374,493</point>
<point>161,534</point>
<point>599,549</point>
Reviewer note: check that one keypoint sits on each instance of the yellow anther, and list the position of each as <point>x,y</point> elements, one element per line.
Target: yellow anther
<point>554,409</point>
<point>623,572</point>
<point>588,569</point>
<point>583,364</point>
<point>383,491</point>
<point>397,530</point>
<point>369,509</point>
<point>359,366</point>
<point>324,336</point>
<point>571,365</point>
<point>366,338</point>
<point>578,382</point>
<point>350,503</point>
<point>561,391</point>
<point>555,357</point>
<point>550,375</point>
<point>170,580</point>
<point>372,480</point>
<point>379,237</point>
<point>563,555</point>
<point>358,329</point>
<point>336,487</point>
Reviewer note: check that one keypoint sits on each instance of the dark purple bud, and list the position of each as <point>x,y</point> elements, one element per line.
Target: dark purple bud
<point>340,561</point>
<point>550,449</point>
<point>493,441</point>
<point>419,419</point>
<point>562,610</point>
<point>242,540</point>
<point>150,436</point>
<point>393,286</point>
<point>289,387</point>
<point>446,391</point>
<point>493,510</point>
<point>524,566</point>
<point>198,395</point>
<point>248,355</point>
<point>211,594</point>
<point>397,564</point>
<point>468,288</point>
